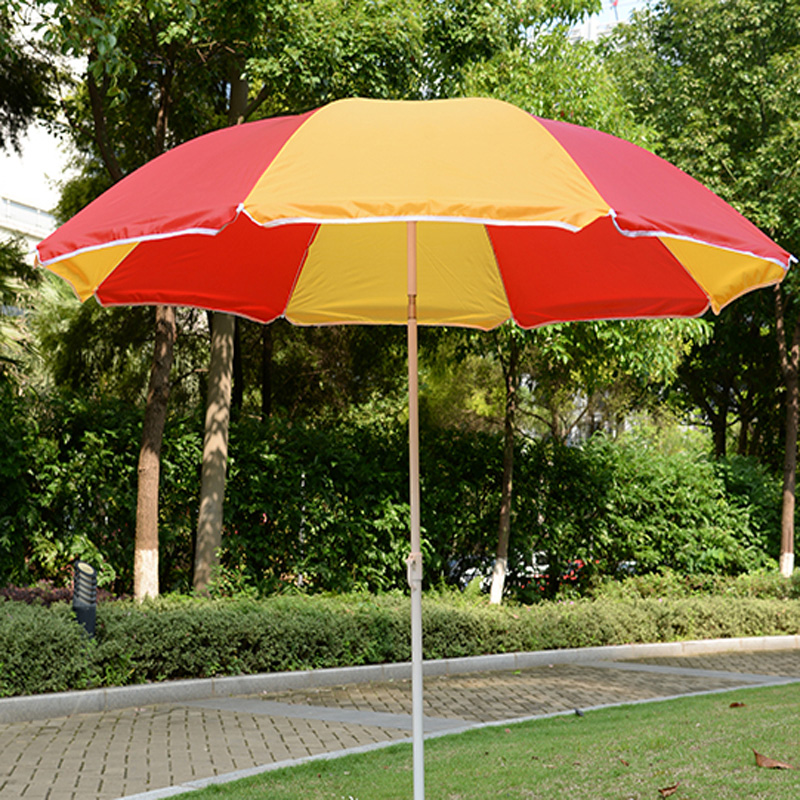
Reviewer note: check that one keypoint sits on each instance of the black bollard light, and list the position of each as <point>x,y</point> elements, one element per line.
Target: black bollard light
<point>84,595</point>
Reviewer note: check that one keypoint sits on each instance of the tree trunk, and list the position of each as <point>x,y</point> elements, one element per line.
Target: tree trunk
<point>789,477</point>
<point>218,407</point>
<point>790,360</point>
<point>237,392</point>
<point>266,372</point>
<point>145,560</point>
<point>215,451</point>
<point>719,428</point>
<point>504,529</point>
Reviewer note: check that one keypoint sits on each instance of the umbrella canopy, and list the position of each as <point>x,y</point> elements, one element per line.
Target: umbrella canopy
<point>267,219</point>
<point>454,212</point>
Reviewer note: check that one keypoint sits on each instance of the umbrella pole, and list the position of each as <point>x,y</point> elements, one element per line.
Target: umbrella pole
<point>415,558</point>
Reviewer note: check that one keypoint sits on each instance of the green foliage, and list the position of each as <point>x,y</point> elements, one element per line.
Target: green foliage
<point>169,639</point>
<point>460,491</point>
<point>78,490</point>
<point>734,377</point>
<point>69,478</point>
<point>45,650</point>
<point>551,76</point>
<point>17,279</point>
<point>321,51</point>
<point>42,650</point>
<point>27,79</point>
<point>666,583</point>
<point>751,487</point>
<point>617,505</point>
<point>319,373</point>
<point>461,34</point>
<point>99,352</point>
<point>181,455</point>
<point>14,477</point>
<point>716,84</point>
<point>90,350</point>
<point>669,511</point>
<point>325,508</point>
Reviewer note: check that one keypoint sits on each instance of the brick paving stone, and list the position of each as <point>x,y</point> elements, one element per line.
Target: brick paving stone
<point>784,663</point>
<point>116,753</point>
<point>485,697</point>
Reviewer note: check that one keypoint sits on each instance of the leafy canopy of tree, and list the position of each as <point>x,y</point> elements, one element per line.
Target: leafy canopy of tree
<point>28,79</point>
<point>720,85</point>
<point>160,73</point>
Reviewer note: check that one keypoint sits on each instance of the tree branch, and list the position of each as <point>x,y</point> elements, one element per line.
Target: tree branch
<point>256,101</point>
<point>101,130</point>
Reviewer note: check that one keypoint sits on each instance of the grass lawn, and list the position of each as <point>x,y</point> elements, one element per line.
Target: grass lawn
<point>702,745</point>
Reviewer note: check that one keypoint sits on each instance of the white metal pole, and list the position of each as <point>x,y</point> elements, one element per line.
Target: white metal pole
<point>415,558</point>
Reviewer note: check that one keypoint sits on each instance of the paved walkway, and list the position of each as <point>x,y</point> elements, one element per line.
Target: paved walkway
<point>159,750</point>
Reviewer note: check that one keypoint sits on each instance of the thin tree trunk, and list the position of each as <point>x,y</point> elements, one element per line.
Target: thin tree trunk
<point>107,152</point>
<point>744,436</point>
<point>789,478</point>
<point>266,372</point>
<point>719,428</point>
<point>215,452</point>
<point>504,528</point>
<point>790,360</point>
<point>145,562</point>
<point>237,392</point>
<point>218,407</point>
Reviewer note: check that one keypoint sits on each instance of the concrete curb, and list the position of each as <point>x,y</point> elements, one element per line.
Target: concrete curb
<point>34,707</point>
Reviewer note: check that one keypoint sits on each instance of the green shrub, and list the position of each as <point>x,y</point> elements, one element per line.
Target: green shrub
<point>667,583</point>
<point>45,650</point>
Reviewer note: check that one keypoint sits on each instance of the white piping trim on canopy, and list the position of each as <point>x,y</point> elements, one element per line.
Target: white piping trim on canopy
<point>129,240</point>
<point>403,323</point>
<point>694,240</point>
<point>411,218</point>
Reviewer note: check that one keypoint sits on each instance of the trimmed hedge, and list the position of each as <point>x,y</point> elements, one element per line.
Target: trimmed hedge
<point>45,650</point>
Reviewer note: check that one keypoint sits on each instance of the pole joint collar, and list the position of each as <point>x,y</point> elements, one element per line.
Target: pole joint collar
<point>414,564</point>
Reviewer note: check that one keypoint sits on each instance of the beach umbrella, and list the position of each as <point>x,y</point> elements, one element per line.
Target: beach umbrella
<point>461,212</point>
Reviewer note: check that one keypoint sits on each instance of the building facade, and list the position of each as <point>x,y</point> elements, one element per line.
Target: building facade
<point>23,221</point>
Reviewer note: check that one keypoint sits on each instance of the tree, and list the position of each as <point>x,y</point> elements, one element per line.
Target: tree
<point>351,33</point>
<point>463,39</point>
<point>730,383</point>
<point>567,370</point>
<point>720,84</point>
<point>220,385</point>
<point>162,73</point>
<point>164,59</point>
<point>28,80</point>
<point>551,76</point>
<point>16,280</point>
<point>215,450</point>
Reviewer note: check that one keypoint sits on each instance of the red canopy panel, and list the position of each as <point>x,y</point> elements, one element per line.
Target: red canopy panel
<point>650,194</point>
<point>196,270</point>
<point>552,275</point>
